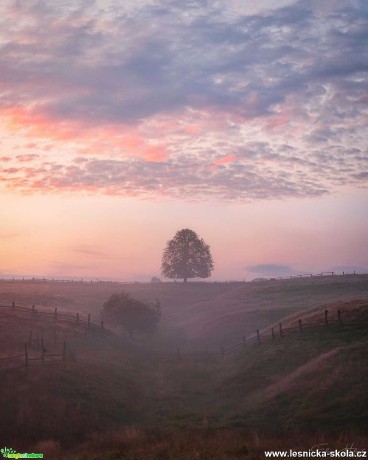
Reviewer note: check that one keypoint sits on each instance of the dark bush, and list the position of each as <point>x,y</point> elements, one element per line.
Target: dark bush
<point>132,314</point>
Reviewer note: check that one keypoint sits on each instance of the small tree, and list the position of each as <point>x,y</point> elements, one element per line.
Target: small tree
<point>186,256</point>
<point>131,313</point>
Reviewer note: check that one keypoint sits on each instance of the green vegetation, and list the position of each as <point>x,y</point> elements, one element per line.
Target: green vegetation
<point>113,400</point>
<point>311,381</point>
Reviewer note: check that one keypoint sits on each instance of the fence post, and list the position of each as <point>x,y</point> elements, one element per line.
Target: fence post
<point>300,326</point>
<point>89,319</point>
<point>326,317</point>
<point>42,351</point>
<point>26,355</point>
<point>273,334</point>
<point>243,341</point>
<point>339,318</point>
<point>13,305</point>
<point>258,337</point>
<point>281,331</point>
<point>33,311</point>
<point>55,315</point>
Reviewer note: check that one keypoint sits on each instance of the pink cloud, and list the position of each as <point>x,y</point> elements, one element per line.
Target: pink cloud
<point>154,153</point>
<point>192,129</point>
<point>37,124</point>
<point>106,139</point>
<point>225,160</point>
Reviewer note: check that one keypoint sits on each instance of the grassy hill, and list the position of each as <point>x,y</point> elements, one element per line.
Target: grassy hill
<point>311,381</point>
<point>196,314</point>
<point>111,400</point>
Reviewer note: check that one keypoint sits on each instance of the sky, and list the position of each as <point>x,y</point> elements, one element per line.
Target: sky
<point>124,122</point>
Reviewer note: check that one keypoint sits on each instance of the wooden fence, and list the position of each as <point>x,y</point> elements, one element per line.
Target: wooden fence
<point>26,358</point>
<point>257,339</point>
<point>36,340</point>
<point>268,335</point>
<point>305,275</point>
<point>55,315</point>
<point>107,281</point>
<point>278,332</point>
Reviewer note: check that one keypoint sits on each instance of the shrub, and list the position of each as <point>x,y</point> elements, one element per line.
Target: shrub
<point>131,313</point>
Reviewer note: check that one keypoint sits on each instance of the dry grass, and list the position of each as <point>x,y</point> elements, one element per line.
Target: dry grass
<point>107,387</point>
<point>351,310</point>
<point>298,376</point>
<point>202,445</point>
<point>49,448</point>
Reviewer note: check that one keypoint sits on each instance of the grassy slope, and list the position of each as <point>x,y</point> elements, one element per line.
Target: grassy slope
<point>253,306</point>
<point>313,381</point>
<point>197,314</point>
<point>302,390</point>
<point>301,380</point>
<point>99,385</point>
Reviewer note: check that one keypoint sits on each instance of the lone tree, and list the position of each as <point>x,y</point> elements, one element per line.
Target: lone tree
<point>131,313</point>
<point>186,256</point>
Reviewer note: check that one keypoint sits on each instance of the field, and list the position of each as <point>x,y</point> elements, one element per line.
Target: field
<point>110,398</point>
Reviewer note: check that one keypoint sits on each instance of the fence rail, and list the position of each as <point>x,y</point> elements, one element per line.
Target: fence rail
<point>76,319</point>
<point>23,360</point>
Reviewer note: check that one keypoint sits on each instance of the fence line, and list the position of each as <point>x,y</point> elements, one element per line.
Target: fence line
<point>306,275</point>
<point>259,338</point>
<point>99,281</point>
<point>89,327</point>
<point>26,358</point>
<point>56,315</point>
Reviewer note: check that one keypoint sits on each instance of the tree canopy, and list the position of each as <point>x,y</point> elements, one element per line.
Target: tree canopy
<point>134,315</point>
<point>186,256</point>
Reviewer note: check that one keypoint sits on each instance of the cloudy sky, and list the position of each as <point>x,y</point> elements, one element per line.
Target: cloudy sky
<point>122,122</point>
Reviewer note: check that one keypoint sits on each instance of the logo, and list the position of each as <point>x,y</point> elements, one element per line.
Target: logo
<point>11,453</point>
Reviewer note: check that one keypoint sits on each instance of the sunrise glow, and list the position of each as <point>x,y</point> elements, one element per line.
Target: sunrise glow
<point>122,123</point>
